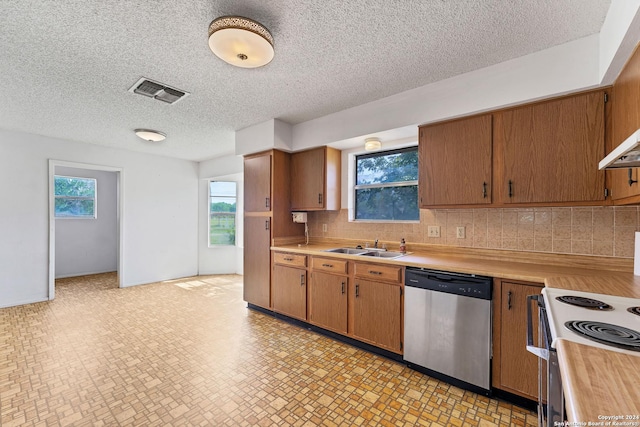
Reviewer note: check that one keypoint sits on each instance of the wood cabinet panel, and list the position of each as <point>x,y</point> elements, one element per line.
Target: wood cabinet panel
<point>332,265</point>
<point>289,291</point>
<point>388,273</point>
<point>257,256</point>
<point>377,316</point>
<point>514,369</point>
<point>625,110</point>
<point>328,301</point>
<point>293,260</point>
<point>455,162</point>
<point>315,179</point>
<point>549,151</point>
<point>257,188</point>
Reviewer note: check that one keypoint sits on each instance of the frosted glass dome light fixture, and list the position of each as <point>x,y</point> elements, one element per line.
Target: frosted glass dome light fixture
<point>150,135</point>
<point>241,42</point>
<point>371,144</point>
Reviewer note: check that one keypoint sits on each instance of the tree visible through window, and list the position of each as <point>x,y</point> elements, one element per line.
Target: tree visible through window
<point>74,197</point>
<point>387,185</point>
<point>222,213</point>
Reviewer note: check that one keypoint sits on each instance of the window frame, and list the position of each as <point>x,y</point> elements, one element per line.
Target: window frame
<point>94,198</point>
<point>395,184</point>
<point>235,216</point>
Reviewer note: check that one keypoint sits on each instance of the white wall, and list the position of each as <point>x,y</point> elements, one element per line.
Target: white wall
<point>220,259</point>
<point>160,218</point>
<point>560,69</point>
<point>618,37</point>
<point>89,246</point>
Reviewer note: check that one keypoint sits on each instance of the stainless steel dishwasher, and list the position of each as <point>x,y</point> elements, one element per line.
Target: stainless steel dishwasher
<point>447,327</point>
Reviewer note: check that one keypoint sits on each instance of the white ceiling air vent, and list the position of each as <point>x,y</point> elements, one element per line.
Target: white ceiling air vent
<point>159,91</point>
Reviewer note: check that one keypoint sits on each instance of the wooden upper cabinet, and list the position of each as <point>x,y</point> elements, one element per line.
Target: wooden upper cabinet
<point>548,152</point>
<point>625,111</point>
<point>257,183</point>
<point>315,179</point>
<point>455,162</point>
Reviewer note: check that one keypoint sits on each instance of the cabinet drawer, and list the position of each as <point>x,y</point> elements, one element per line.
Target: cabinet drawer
<point>290,259</point>
<point>389,273</point>
<point>330,265</point>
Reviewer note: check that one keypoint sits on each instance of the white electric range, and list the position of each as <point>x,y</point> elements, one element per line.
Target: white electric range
<point>598,320</point>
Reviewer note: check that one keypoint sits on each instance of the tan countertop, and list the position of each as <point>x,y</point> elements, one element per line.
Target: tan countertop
<point>597,382</point>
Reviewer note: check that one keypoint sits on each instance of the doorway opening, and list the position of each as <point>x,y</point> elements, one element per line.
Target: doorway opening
<point>90,243</point>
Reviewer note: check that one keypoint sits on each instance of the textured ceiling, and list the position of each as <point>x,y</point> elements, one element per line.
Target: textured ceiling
<point>66,66</point>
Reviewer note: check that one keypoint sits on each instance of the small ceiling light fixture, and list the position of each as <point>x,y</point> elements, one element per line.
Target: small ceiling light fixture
<point>240,41</point>
<point>371,144</point>
<point>150,135</point>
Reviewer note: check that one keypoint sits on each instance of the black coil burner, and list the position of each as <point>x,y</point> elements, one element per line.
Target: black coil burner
<point>606,333</point>
<point>634,310</point>
<point>592,304</point>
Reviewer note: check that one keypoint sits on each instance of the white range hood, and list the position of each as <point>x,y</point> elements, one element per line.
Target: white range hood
<point>625,155</point>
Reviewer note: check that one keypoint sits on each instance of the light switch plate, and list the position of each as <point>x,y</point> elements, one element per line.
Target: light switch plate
<point>433,231</point>
<point>460,232</point>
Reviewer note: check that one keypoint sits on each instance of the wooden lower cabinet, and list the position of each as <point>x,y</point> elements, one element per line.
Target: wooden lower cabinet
<point>514,369</point>
<point>289,291</point>
<point>377,315</point>
<point>328,301</point>
<point>257,260</point>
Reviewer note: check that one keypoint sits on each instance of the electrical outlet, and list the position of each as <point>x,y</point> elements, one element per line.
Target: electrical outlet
<point>433,231</point>
<point>324,228</point>
<point>460,232</point>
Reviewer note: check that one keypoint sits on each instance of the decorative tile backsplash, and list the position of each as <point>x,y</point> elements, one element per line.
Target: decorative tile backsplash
<point>601,231</point>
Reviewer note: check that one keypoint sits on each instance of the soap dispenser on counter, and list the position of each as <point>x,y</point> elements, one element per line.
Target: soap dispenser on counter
<point>403,246</point>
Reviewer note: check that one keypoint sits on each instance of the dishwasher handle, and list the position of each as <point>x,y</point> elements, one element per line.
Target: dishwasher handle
<point>542,353</point>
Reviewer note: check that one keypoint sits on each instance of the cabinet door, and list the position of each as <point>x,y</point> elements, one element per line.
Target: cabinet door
<point>328,301</point>
<point>455,162</point>
<point>308,179</point>
<point>257,184</point>
<point>549,151</point>
<point>517,370</point>
<point>289,291</point>
<point>625,110</point>
<point>377,314</point>
<point>257,260</point>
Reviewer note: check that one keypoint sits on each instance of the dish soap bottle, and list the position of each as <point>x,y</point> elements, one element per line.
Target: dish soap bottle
<point>403,246</point>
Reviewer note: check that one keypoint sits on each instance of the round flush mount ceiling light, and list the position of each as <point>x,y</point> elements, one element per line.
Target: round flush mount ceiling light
<point>150,135</point>
<point>371,144</point>
<point>240,41</point>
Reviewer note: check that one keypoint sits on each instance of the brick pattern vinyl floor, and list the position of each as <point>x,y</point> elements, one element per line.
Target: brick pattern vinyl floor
<point>189,353</point>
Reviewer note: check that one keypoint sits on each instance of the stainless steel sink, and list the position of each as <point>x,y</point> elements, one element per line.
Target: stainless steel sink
<point>384,254</point>
<point>348,251</point>
<point>379,253</point>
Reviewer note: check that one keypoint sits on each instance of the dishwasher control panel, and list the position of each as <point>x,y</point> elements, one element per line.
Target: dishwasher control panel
<point>451,283</point>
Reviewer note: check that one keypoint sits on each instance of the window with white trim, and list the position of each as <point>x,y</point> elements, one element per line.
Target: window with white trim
<point>75,197</point>
<point>386,185</point>
<point>222,213</point>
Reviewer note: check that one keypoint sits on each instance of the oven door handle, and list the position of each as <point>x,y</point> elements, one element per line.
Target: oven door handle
<point>542,353</point>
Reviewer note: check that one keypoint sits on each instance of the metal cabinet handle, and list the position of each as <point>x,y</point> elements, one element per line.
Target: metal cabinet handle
<point>357,291</point>
<point>267,202</point>
<point>509,300</point>
<point>631,180</point>
<point>302,280</point>
<point>288,259</point>
<point>328,265</point>
<point>510,188</point>
<point>343,287</point>
<point>484,190</point>
<point>542,353</point>
<point>266,225</point>
<point>320,198</point>
<point>377,273</point>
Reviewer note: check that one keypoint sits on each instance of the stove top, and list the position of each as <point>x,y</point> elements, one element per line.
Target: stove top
<point>597,320</point>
